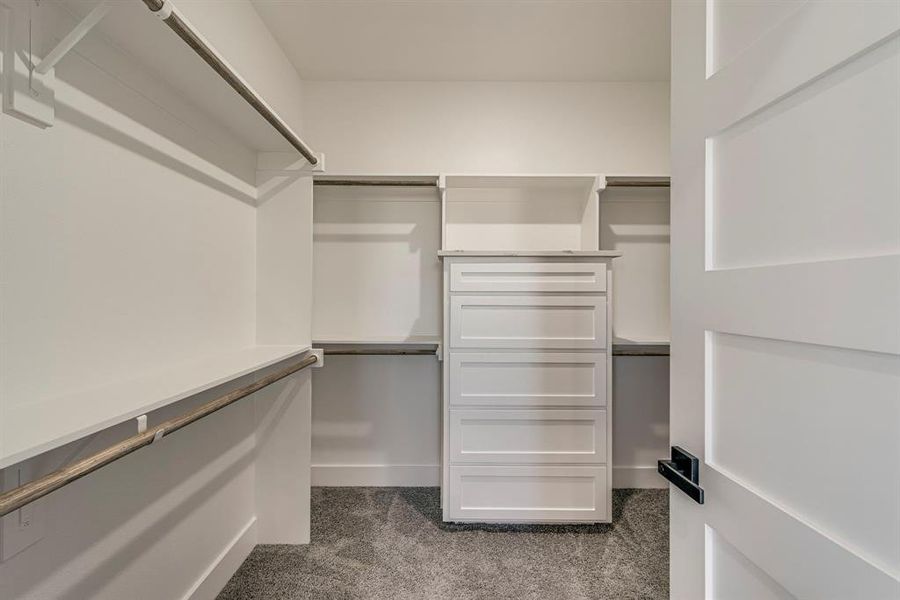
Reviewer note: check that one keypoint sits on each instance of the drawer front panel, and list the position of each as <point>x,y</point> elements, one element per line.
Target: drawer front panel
<point>528,322</point>
<point>528,436</point>
<point>528,277</point>
<point>499,379</point>
<point>539,494</point>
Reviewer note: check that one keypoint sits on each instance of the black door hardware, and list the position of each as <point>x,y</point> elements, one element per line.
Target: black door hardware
<point>684,471</point>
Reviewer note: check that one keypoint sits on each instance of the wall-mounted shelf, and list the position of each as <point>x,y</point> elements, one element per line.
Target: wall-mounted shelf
<point>130,29</point>
<point>640,349</point>
<point>532,253</point>
<point>491,181</point>
<point>387,346</point>
<point>321,341</point>
<point>522,181</point>
<point>57,421</point>
<point>337,180</point>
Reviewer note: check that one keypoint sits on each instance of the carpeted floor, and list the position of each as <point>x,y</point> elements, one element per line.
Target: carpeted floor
<point>390,544</point>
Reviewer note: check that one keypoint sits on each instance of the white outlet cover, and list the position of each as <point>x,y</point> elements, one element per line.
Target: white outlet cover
<point>23,528</point>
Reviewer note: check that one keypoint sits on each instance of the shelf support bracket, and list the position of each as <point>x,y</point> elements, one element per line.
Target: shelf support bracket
<point>73,37</point>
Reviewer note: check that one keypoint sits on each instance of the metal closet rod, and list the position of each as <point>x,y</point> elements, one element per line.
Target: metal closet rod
<point>381,352</point>
<point>193,40</point>
<point>624,181</point>
<point>25,494</point>
<point>612,181</point>
<point>374,182</point>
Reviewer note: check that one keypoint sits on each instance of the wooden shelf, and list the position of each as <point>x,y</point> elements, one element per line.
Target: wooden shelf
<point>89,411</point>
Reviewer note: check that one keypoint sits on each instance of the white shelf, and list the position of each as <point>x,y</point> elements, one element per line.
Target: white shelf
<point>536,181</point>
<point>89,411</point>
<point>133,30</point>
<point>361,179</point>
<point>638,181</point>
<point>532,253</point>
<point>625,347</point>
<point>417,344</point>
<point>412,340</point>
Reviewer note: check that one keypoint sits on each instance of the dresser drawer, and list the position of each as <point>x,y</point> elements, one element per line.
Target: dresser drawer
<point>552,379</point>
<point>536,494</point>
<point>528,436</point>
<point>571,322</point>
<point>528,277</point>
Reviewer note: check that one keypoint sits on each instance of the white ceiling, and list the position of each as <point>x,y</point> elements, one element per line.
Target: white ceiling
<point>473,40</point>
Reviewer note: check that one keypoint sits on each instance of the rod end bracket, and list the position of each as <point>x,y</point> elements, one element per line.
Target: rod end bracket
<point>319,353</point>
<point>165,11</point>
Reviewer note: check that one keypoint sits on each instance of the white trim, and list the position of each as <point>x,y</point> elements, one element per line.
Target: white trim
<point>638,477</point>
<point>376,475</point>
<point>214,578</point>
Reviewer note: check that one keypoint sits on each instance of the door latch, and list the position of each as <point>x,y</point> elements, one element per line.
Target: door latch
<point>683,470</point>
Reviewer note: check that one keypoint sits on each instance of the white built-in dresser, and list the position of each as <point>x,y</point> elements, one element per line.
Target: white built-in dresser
<point>527,337</point>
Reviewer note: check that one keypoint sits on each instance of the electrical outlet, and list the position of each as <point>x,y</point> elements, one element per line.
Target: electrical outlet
<point>23,528</point>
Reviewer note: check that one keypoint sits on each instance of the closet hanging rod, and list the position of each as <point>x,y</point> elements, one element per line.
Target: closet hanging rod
<point>375,182</point>
<point>25,494</point>
<point>164,10</point>
<point>659,182</point>
<point>381,352</point>
<point>640,349</point>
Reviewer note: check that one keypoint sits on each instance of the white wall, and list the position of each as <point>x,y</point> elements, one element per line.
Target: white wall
<point>432,127</point>
<point>129,244</point>
<point>376,421</point>
<point>636,222</point>
<point>640,419</point>
<point>364,238</point>
<point>377,277</point>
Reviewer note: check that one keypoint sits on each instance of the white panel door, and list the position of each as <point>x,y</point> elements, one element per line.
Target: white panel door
<point>785,375</point>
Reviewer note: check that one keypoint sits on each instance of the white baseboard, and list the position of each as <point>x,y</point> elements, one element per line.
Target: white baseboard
<point>637,477</point>
<point>208,585</point>
<point>376,475</point>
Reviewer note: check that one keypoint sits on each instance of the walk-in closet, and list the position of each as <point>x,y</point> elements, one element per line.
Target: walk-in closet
<point>449,299</point>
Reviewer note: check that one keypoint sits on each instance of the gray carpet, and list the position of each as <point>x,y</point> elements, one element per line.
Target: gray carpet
<point>390,544</point>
